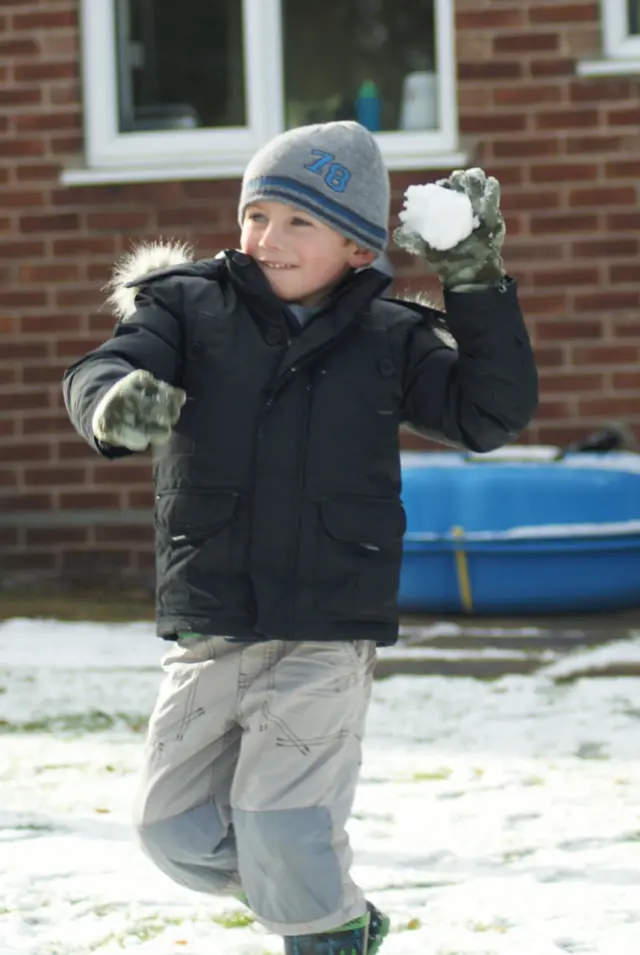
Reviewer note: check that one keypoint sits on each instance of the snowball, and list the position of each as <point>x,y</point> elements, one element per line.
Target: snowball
<point>442,217</point>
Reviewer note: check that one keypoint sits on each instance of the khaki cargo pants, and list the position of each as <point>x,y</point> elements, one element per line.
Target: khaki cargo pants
<point>249,774</point>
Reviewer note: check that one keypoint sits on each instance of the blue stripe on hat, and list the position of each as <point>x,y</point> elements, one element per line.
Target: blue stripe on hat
<point>291,186</point>
<point>339,224</point>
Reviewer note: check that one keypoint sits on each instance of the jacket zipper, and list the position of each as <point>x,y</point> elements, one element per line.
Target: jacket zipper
<point>301,480</point>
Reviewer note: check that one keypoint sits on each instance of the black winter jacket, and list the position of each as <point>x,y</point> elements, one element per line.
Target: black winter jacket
<point>278,510</point>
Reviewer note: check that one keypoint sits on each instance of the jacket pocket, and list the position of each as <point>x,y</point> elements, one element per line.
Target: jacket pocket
<point>359,550</point>
<point>196,543</point>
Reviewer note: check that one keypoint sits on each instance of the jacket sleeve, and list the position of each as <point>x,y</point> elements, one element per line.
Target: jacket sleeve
<point>482,395</point>
<point>150,339</point>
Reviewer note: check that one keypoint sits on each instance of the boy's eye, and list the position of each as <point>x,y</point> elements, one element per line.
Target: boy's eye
<point>256,216</point>
<point>298,221</point>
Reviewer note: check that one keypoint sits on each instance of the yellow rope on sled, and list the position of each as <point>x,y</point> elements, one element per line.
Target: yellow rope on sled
<point>462,572</point>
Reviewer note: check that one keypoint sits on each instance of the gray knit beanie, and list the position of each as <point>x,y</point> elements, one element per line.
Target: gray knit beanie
<point>334,171</point>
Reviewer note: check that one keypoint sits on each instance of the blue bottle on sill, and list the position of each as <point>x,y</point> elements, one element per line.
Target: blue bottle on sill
<point>368,107</point>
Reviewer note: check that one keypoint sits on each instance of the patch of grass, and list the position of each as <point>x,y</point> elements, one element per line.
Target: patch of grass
<point>498,926</point>
<point>233,919</point>
<point>95,721</point>
<point>437,774</point>
<point>80,604</point>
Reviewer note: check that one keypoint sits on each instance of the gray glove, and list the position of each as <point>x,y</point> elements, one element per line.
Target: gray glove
<point>137,411</point>
<point>475,260</point>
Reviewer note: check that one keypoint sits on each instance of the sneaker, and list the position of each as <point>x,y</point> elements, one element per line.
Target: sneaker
<point>378,928</point>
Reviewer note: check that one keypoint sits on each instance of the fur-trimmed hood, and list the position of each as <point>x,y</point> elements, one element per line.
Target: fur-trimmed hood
<point>142,261</point>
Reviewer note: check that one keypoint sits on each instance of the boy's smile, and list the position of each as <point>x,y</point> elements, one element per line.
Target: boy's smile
<point>302,257</point>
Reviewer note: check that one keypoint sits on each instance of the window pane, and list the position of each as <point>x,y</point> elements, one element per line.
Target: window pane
<point>371,60</point>
<point>634,16</point>
<point>180,65</point>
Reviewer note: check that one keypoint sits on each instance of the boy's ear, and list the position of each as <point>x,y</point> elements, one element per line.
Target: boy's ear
<point>360,258</point>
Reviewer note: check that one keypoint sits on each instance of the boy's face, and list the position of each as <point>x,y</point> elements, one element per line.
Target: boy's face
<point>301,256</point>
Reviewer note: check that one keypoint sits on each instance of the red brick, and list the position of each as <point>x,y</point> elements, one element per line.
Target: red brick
<point>48,374</point>
<point>54,476</point>
<point>553,410</point>
<point>17,148</point>
<point>490,70</point>
<point>185,217</point>
<point>33,562</point>
<point>623,328</point>
<point>18,351</point>
<point>527,95</point>
<point>604,248</point>
<point>66,145</point>
<point>597,90</point>
<point>564,223</point>
<point>137,534</point>
<point>561,66</point>
<point>71,348</point>
<point>623,169</point>
<point>45,122</point>
<point>45,20</point>
<point>25,451</point>
<point>560,435</point>
<point>50,222</point>
<point>606,355</point>
<point>490,19</point>
<point>624,117</point>
<point>8,478</point>
<point>39,324</point>
<point>568,331</point>
<point>37,172</point>
<point>607,301</point>
<point>567,119</point>
<point>623,221</point>
<point>627,380</point>
<point>74,298</point>
<point>526,42</point>
<point>20,96</point>
<point>564,172</point>
<point>565,13</point>
<point>22,298</point>
<point>140,499</point>
<point>534,251</point>
<point>117,221</point>
<point>543,304</point>
<point>560,278</point>
<point>19,47</point>
<point>628,272</point>
<point>603,196</point>
<point>49,273</point>
<point>86,246</point>
<point>54,536</point>
<point>605,407</point>
<point>21,199</point>
<point>89,499</point>
<point>517,200</point>
<point>579,145</point>
<point>553,382</point>
<point>39,72</point>
<point>45,424</point>
<point>526,148</point>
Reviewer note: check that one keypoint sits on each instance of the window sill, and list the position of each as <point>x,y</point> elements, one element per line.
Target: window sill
<point>91,176</point>
<point>609,67</point>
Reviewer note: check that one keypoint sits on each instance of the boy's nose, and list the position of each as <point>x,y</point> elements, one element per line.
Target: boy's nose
<point>271,238</point>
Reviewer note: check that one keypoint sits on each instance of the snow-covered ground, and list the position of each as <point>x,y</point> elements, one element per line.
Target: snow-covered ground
<point>492,818</point>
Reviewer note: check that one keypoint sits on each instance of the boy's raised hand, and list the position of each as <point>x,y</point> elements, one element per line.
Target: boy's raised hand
<point>137,411</point>
<point>476,259</point>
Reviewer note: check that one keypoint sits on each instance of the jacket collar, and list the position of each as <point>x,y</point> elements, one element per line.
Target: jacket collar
<point>353,295</point>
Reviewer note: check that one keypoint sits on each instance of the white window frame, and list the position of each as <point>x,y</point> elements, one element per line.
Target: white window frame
<point>619,43</point>
<point>113,156</point>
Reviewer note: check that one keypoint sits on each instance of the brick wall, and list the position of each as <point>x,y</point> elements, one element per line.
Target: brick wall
<point>566,150</point>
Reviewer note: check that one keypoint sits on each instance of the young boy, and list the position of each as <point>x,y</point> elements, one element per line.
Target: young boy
<point>271,383</point>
